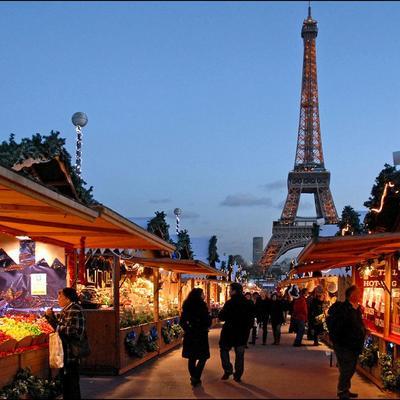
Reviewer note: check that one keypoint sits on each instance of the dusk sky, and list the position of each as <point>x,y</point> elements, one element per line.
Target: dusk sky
<point>196,104</point>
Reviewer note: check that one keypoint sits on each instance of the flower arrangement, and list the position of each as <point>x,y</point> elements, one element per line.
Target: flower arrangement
<point>129,317</point>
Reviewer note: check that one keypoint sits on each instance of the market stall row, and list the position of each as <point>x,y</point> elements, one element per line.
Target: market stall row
<point>375,262</point>
<point>44,242</point>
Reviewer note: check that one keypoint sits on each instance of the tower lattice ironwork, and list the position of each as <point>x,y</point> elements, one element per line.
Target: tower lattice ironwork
<point>309,174</point>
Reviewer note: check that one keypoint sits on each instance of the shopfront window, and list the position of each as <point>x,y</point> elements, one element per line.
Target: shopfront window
<point>168,298</point>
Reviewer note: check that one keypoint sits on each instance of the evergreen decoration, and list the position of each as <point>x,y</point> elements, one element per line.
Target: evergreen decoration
<point>349,223</point>
<point>25,385</point>
<point>369,356</point>
<point>184,246</point>
<point>158,226</point>
<point>43,148</point>
<point>390,372</point>
<point>385,220</point>
<point>171,332</point>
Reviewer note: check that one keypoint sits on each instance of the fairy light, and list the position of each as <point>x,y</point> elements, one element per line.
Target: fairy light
<point>387,185</point>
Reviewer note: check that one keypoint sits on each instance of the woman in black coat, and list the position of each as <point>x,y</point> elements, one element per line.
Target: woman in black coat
<point>195,321</point>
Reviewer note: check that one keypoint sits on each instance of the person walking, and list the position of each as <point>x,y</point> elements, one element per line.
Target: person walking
<point>238,316</point>
<point>347,333</point>
<point>195,321</point>
<point>263,305</point>
<point>70,324</point>
<point>255,298</point>
<point>277,317</point>
<point>299,316</point>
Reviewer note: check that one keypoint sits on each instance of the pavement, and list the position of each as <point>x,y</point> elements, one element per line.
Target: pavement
<point>271,372</point>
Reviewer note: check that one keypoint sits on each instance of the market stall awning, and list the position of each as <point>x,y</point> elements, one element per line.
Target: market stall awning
<point>180,266</point>
<point>342,251</point>
<point>28,208</point>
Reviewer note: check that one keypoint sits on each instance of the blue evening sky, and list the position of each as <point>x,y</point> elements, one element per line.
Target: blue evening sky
<point>196,104</point>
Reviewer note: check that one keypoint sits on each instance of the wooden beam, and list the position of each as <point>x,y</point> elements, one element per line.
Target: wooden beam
<point>12,231</point>
<point>55,242</point>
<point>28,209</point>
<point>33,222</point>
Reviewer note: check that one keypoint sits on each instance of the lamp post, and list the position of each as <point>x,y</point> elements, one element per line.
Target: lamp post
<point>178,213</point>
<point>79,119</point>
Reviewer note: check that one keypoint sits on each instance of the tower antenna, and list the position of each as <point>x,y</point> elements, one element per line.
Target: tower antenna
<point>309,9</point>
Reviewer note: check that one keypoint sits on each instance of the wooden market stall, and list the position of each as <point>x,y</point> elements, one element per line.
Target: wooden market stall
<point>374,259</point>
<point>147,297</point>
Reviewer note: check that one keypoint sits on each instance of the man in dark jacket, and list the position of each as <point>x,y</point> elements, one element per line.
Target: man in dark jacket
<point>238,315</point>
<point>347,333</point>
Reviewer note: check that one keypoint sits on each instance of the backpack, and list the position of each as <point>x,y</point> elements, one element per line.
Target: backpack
<point>335,321</point>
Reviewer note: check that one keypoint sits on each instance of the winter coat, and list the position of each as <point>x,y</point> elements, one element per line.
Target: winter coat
<point>349,327</point>
<point>316,309</point>
<point>195,321</point>
<point>238,315</point>
<point>300,310</point>
<point>70,324</point>
<point>262,309</point>
<point>277,309</point>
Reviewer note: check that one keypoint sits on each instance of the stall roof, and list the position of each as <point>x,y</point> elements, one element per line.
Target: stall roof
<point>30,209</point>
<point>180,266</point>
<point>342,251</point>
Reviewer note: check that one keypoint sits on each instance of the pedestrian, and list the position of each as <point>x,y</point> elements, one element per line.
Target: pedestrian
<point>238,316</point>
<point>317,316</point>
<point>299,316</point>
<point>70,324</point>
<point>277,318</point>
<point>347,333</point>
<point>263,313</point>
<point>195,321</point>
<point>310,324</point>
<point>255,299</point>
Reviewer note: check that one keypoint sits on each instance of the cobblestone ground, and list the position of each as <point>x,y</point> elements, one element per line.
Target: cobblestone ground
<point>271,372</point>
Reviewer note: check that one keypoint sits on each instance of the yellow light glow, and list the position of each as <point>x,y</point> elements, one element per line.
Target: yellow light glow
<point>378,210</point>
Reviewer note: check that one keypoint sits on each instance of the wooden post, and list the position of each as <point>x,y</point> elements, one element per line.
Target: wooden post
<point>81,269</point>
<point>208,284</point>
<point>116,279</point>
<point>180,288</point>
<point>388,281</point>
<point>191,283</point>
<point>156,278</point>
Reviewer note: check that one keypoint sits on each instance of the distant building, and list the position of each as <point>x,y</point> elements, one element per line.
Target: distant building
<point>258,248</point>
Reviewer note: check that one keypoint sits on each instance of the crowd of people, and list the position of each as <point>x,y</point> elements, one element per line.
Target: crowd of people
<point>245,315</point>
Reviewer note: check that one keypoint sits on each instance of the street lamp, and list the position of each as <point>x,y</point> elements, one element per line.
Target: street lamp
<point>79,119</point>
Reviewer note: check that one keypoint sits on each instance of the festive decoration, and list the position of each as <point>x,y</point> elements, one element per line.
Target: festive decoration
<point>25,386</point>
<point>390,372</point>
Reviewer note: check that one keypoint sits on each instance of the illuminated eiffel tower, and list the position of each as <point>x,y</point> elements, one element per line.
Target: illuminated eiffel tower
<point>309,174</point>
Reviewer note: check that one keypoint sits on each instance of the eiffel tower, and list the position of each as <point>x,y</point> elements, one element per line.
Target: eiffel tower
<point>309,174</point>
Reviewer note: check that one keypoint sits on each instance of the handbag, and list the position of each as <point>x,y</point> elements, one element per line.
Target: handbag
<point>81,348</point>
<point>56,352</point>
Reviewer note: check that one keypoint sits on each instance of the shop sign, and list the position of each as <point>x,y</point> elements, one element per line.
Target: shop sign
<point>38,284</point>
<point>373,300</point>
<point>395,306</point>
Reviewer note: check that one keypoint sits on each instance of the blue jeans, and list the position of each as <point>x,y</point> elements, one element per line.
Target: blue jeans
<point>299,328</point>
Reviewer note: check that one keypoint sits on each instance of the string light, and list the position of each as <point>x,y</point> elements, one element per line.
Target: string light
<point>378,210</point>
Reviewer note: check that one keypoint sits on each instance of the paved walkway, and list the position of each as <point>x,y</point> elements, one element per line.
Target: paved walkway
<point>271,372</point>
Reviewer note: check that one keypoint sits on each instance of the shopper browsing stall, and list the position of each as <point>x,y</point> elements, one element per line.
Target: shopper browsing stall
<point>70,324</point>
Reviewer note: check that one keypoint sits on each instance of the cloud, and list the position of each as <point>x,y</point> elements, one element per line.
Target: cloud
<point>160,201</point>
<point>246,200</point>
<point>275,185</point>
